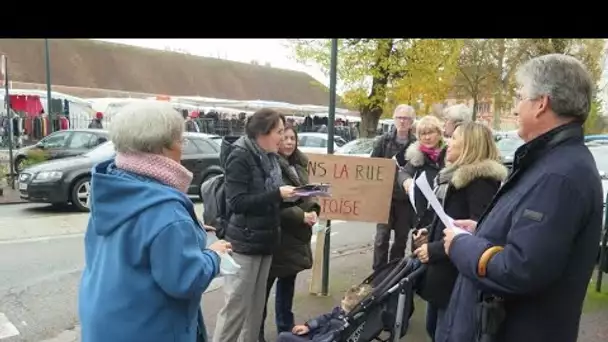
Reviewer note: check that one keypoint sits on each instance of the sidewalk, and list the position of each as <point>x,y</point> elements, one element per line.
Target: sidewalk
<point>594,327</point>
<point>345,270</point>
<point>10,196</point>
<point>351,268</point>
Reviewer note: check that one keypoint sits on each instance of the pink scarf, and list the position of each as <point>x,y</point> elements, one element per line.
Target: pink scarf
<point>432,152</point>
<point>156,166</point>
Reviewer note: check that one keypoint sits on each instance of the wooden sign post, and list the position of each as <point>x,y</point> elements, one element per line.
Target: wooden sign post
<point>361,191</point>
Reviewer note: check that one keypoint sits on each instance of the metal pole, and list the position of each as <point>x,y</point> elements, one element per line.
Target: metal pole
<point>47,60</point>
<point>331,117</point>
<point>9,113</point>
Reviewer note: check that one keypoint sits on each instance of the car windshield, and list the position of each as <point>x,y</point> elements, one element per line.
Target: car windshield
<point>359,146</point>
<point>102,152</point>
<point>508,145</point>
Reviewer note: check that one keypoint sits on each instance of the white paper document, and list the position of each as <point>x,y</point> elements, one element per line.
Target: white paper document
<point>425,188</point>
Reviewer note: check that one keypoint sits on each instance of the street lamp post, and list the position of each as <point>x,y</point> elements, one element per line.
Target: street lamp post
<point>331,117</point>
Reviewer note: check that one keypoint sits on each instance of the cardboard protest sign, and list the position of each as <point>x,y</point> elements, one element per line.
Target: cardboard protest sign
<point>361,188</point>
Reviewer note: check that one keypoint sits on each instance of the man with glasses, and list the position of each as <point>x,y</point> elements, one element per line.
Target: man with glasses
<point>525,271</point>
<point>401,218</point>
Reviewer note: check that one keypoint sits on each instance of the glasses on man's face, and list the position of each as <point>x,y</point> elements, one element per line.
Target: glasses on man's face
<point>403,118</point>
<point>428,133</point>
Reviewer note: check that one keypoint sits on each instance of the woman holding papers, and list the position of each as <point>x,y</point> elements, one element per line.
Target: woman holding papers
<point>427,156</point>
<point>465,188</point>
<point>254,194</point>
<point>293,254</point>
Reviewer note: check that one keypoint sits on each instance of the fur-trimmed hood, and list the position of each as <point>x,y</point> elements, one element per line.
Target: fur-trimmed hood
<point>465,174</point>
<point>413,154</point>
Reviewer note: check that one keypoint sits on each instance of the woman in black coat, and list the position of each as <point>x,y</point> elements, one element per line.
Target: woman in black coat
<point>254,194</point>
<point>426,155</point>
<point>297,216</point>
<point>465,188</point>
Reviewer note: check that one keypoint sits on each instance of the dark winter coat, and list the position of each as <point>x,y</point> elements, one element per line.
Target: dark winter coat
<point>322,328</point>
<point>254,223</point>
<point>386,146</point>
<point>294,254</point>
<point>468,192</point>
<point>417,163</point>
<point>547,217</point>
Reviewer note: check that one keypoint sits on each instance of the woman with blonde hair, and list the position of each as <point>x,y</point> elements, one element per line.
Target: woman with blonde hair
<point>426,155</point>
<point>465,188</point>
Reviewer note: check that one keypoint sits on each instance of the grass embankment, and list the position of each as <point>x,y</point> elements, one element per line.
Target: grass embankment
<point>596,301</point>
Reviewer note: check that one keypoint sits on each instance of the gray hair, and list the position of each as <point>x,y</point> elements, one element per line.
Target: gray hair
<point>459,113</point>
<point>405,109</point>
<point>564,79</point>
<point>146,127</point>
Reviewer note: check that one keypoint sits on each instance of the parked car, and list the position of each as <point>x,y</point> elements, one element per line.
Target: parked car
<point>63,144</point>
<point>317,142</point>
<point>599,150</point>
<point>596,137</point>
<point>507,146</point>
<point>361,147</point>
<point>67,180</point>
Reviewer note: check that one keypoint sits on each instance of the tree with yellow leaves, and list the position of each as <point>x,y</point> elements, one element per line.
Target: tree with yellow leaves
<point>377,73</point>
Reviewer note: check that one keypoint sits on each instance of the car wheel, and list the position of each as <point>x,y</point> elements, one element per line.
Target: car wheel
<point>19,164</point>
<point>80,194</point>
<point>209,176</point>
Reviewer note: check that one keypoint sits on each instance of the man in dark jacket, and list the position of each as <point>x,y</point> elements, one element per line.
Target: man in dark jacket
<point>527,267</point>
<point>401,214</point>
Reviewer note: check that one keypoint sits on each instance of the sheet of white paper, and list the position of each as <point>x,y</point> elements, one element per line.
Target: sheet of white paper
<point>410,194</point>
<point>426,190</point>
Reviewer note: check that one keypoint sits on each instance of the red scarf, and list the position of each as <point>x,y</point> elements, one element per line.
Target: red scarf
<point>431,152</point>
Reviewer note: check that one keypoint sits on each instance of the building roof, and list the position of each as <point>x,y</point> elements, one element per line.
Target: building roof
<point>82,63</point>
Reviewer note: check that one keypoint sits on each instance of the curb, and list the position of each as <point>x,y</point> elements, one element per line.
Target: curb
<point>12,202</point>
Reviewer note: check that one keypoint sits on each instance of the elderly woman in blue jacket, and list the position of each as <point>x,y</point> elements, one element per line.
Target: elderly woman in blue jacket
<point>147,263</point>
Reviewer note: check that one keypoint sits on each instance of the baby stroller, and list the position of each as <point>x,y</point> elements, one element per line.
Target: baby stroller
<point>388,308</point>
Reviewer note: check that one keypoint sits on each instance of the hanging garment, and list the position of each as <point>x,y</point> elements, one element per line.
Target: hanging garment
<point>33,106</point>
<point>45,126</point>
<point>38,128</point>
<point>64,123</point>
<point>28,126</point>
<point>18,102</point>
<point>16,130</point>
<point>66,108</point>
<point>56,106</point>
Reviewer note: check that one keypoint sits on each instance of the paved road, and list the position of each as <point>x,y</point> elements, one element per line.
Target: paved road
<point>41,258</point>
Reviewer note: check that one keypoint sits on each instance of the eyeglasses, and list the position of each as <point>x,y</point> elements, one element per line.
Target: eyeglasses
<point>428,133</point>
<point>521,98</point>
<point>403,118</point>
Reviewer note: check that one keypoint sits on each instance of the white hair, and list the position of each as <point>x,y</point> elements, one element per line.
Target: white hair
<point>146,127</point>
<point>459,113</point>
<point>405,109</point>
<point>562,78</point>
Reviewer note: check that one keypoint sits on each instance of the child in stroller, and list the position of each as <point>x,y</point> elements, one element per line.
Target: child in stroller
<point>322,328</point>
<point>385,310</point>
